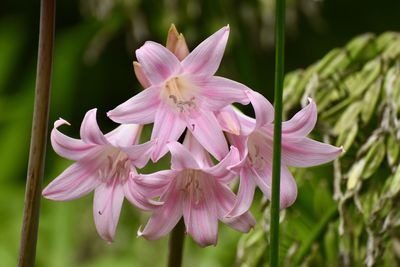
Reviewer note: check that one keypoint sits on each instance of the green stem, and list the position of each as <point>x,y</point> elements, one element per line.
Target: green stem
<point>276,163</point>
<point>176,242</point>
<point>37,152</point>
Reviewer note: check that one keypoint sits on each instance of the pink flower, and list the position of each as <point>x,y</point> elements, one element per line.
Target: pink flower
<point>182,94</point>
<point>105,164</point>
<point>255,144</point>
<point>196,190</point>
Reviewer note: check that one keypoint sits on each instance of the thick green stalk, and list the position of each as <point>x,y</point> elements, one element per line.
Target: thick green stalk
<point>27,253</point>
<point>276,163</point>
<point>176,242</point>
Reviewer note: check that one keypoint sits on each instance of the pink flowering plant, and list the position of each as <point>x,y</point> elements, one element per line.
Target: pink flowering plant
<point>184,99</point>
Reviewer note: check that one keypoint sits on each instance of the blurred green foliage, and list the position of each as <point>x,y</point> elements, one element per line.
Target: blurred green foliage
<point>94,49</point>
<point>357,89</point>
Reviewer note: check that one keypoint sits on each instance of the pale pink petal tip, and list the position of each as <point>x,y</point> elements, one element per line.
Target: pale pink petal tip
<point>60,122</point>
<point>139,232</point>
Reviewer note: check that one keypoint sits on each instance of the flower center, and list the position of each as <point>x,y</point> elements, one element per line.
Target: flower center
<point>255,155</point>
<point>191,185</point>
<point>180,94</point>
<point>116,168</point>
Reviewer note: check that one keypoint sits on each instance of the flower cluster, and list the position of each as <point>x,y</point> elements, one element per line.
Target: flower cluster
<point>182,96</point>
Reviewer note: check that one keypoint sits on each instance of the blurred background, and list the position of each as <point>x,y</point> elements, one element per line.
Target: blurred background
<point>95,42</point>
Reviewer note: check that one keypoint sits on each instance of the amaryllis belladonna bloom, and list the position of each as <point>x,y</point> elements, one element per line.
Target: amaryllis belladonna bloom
<point>105,164</point>
<point>255,144</point>
<point>196,190</point>
<point>183,94</point>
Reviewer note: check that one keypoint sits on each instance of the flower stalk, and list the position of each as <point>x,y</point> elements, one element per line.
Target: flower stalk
<point>176,242</point>
<point>37,152</point>
<point>276,164</point>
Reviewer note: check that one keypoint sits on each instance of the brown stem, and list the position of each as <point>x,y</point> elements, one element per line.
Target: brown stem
<point>37,152</point>
<point>176,241</point>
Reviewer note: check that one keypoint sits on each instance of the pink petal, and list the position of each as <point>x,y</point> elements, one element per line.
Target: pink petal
<point>221,170</point>
<point>166,216</point>
<point>107,205</point>
<point>302,123</point>
<point>125,135</point>
<point>156,183</point>
<point>158,63</point>
<point>263,179</point>
<point>139,155</point>
<point>138,197</point>
<point>198,152</point>
<point>70,148</point>
<point>90,132</point>
<point>181,158</point>
<point>204,60</point>
<point>247,124</point>
<point>263,109</point>
<point>226,199</point>
<point>140,75</point>
<point>228,120</point>
<point>305,152</point>
<point>288,187</point>
<point>76,181</point>
<point>219,92</point>
<point>139,109</point>
<point>245,196</point>
<point>168,126</point>
<point>200,214</point>
<point>207,131</point>
<point>240,142</point>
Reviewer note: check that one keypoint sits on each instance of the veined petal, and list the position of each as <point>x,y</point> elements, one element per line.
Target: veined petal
<point>245,195</point>
<point>166,216</point>
<point>197,151</point>
<point>219,92</point>
<point>139,155</point>
<point>168,126</point>
<point>138,197</point>
<point>200,214</point>
<point>221,170</point>
<point>76,181</point>
<point>226,199</point>
<point>158,63</point>
<point>107,205</point>
<point>247,124</point>
<point>90,132</point>
<point>205,59</point>
<point>305,152</point>
<point>139,109</point>
<point>263,179</point>
<point>155,183</point>
<point>240,142</point>
<point>302,123</point>
<point>181,158</point>
<point>140,75</point>
<point>207,131</point>
<point>263,109</point>
<point>288,187</point>
<point>70,148</point>
<point>125,135</point>
<point>228,120</point>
